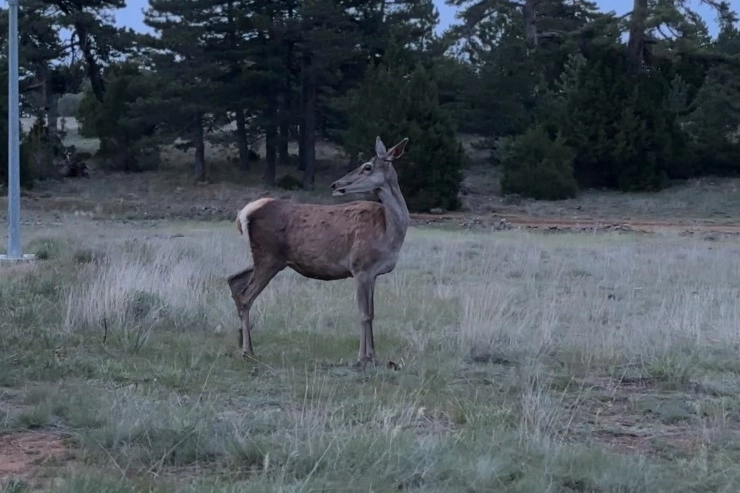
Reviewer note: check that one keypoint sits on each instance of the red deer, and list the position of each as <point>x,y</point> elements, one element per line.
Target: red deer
<point>359,239</point>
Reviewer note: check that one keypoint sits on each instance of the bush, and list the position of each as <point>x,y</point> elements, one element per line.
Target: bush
<point>36,159</point>
<point>395,101</point>
<point>538,166</point>
<point>289,182</point>
<point>431,174</point>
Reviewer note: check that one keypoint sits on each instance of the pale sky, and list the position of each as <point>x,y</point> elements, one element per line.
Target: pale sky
<point>132,15</point>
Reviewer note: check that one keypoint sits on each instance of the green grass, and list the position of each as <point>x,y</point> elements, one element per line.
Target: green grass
<point>529,363</point>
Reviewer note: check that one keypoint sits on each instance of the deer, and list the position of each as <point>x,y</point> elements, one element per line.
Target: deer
<point>359,239</point>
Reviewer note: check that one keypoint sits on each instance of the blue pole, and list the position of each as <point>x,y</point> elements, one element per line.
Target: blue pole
<point>14,178</point>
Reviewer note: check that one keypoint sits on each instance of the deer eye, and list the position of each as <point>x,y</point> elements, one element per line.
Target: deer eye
<point>368,167</point>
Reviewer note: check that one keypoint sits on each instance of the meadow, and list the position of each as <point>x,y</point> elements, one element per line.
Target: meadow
<point>529,362</point>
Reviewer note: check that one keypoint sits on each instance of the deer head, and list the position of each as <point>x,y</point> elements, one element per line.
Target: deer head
<point>374,174</point>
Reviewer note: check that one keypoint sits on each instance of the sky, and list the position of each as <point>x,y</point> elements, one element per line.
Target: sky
<point>132,15</point>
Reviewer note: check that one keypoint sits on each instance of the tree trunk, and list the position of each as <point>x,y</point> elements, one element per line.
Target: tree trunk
<point>301,145</point>
<point>308,159</point>
<point>49,113</point>
<point>530,21</point>
<point>200,148</point>
<point>636,43</point>
<point>108,145</point>
<point>271,140</point>
<point>242,140</point>
<point>91,64</point>
<point>52,114</point>
<point>302,127</point>
<point>284,116</point>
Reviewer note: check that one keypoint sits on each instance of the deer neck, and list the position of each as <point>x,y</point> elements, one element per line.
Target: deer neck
<point>396,213</point>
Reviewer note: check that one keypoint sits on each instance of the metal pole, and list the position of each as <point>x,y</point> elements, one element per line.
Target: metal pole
<point>14,177</point>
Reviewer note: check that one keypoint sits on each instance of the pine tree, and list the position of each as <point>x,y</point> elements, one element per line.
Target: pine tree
<point>117,119</point>
<point>714,124</point>
<point>538,166</point>
<point>188,73</point>
<point>394,103</point>
<point>100,43</point>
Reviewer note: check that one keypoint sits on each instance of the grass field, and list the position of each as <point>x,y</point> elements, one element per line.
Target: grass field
<point>571,362</point>
<point>529,363</point>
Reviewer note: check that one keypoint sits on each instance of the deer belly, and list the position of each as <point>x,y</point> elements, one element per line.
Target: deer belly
<point>321,272</point>
<point>322,255</point>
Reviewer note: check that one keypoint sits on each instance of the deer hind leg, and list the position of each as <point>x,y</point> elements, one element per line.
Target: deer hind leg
<point>237,284</point>
<point>365,303</point>
<point>261,277</point>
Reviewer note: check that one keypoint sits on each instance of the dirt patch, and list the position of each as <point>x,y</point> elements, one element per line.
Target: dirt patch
<point>504,221</point>
<point>696,208</point>
<point>624,440</point>
<point>619,415</point>
<point>22,454</point>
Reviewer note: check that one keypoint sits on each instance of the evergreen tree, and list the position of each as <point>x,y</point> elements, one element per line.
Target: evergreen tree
<point>99,42</point>
<point>26,170</point>
<point>618,124</point>
<point>538,166</point>
<point>188,74</point>
<point>714,124</point>
<point>116,119</point>
<point>392,102</point>
<point>328,37</point>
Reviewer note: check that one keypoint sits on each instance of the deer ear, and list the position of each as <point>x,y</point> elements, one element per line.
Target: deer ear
<point>380,147</point>
<point>397,150</point>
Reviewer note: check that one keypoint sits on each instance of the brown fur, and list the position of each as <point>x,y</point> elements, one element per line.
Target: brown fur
<point>359,239</point>
<point>314,239</point>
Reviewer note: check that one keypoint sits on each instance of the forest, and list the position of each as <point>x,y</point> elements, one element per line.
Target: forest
<point>564,97</point>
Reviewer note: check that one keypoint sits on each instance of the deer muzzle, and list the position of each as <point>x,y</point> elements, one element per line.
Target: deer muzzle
<point>336,190</point>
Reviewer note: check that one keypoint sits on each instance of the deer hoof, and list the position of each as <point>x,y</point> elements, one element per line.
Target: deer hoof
<point>364,360</point>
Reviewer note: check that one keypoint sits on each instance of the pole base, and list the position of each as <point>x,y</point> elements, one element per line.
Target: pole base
<point>27,257</point>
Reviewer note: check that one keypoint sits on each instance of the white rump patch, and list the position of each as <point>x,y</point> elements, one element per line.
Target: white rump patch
<point>248,210</point>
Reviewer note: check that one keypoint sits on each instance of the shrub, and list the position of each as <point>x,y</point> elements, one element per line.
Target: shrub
<point>538,166</point>
<point>289,182</point>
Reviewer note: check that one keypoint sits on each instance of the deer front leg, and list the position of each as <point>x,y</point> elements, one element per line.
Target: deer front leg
<point>369,342</point>
<point>365,292</point>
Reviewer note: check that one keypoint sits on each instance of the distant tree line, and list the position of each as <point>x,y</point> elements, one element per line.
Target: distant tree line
<point>565,96</point>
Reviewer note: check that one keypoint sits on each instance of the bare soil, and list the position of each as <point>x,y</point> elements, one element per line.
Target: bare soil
<point>23,454</point>
<point>506,221</point>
